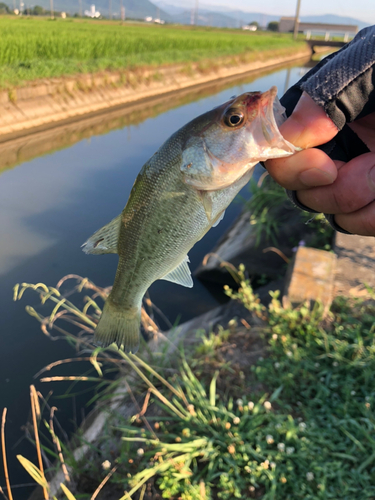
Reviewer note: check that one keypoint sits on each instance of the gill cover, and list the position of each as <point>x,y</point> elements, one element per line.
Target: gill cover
<point>243,132</point>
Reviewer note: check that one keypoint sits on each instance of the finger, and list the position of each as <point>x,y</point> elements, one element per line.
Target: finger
<point>308,168</point>
<point>361,222</point>
<point>308,126</point>
<point>353,189</point>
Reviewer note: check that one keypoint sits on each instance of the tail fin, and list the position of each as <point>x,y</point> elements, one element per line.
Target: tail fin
<point>119,325</point>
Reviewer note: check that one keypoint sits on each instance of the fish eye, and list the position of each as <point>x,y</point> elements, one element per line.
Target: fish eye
<point>233,118</point>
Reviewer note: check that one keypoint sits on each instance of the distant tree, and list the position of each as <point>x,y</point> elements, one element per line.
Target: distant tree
<point>4,9</point>
<point>273,26</point>
<point>254,23</point>
<point>38,11</point>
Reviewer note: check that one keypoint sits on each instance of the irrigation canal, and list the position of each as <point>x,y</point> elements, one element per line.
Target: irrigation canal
<point>56,189</point>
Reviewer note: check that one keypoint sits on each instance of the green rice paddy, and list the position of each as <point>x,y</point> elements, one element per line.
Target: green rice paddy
<point>32,48</point>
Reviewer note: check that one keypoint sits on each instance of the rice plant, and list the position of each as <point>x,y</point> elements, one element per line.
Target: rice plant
<point>38,48</point>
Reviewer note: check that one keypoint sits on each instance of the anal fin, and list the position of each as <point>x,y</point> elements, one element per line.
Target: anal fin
<point>105,239</point>
<point>181,274</point>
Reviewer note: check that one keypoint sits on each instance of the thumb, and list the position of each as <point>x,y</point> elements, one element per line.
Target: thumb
<point>308,126</point>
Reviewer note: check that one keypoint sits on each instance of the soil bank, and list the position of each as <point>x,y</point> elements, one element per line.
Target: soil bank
<point>43,104</point>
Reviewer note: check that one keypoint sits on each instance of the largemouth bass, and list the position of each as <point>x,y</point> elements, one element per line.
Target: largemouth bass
<point>180,193</point>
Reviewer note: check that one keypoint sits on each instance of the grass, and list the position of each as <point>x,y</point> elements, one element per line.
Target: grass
<point>266,206</point>
<point>297,423</point>
<point>32,48</point>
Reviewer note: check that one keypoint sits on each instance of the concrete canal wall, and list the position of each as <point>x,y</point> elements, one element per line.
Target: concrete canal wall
<point>45,103</point>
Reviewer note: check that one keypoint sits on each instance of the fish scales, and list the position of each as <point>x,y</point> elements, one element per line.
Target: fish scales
<point>179,194</point>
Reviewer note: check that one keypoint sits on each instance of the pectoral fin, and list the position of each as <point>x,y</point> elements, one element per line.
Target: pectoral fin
<point>180,274</point>
<point>219,219</point>
<point>105,239</point>
<point>207,203</point>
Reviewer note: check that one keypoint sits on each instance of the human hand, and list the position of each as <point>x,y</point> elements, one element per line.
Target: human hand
<point>330,186</point>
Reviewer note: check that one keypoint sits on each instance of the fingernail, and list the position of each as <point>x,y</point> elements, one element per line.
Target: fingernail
<point>316,177</point>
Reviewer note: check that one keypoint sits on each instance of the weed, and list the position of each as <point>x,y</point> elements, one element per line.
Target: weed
<point>268,200</point>
<point>12,96</point>
<point>309,436</point>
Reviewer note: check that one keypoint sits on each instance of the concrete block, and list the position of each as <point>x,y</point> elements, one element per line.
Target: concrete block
<point>310,277</point>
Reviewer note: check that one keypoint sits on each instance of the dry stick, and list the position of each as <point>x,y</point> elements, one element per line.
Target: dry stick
<point>144,419</point>
<point>4,454</point>
<point>97,491</point>
<point>34,408</point>
<point>143,492</point>
<point>73,360</point>
<point>2,492</point>
<point>57,444</point>
<point>279,252</point>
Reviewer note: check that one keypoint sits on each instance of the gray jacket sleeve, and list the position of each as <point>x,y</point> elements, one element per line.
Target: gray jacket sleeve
<point>344,85</point>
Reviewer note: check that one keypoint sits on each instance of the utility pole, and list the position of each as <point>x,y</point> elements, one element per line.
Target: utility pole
<point>51,5</point>
<point>122,12</point>
<point>110,9</point>
<point>196,12</point>
<point>80,7</point>
<point>296,21</point>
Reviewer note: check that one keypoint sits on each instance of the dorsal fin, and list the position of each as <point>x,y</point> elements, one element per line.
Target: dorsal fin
<point>105,239</point>
<point>180,274</point>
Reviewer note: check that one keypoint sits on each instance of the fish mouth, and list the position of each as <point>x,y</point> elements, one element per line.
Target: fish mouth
<point>271,108</point>
<point>270,114</point>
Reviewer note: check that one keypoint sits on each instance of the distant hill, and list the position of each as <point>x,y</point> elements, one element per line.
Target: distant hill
<point>180,11</point>
<point>229,18</point>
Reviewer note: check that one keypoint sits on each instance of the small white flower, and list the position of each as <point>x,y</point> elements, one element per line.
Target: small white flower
<point>269,439</point>
<point>277,365</point>
<point>236,420</point>
<point>273,465</point>
<point>335,363</point>
<point>250,405</point>
<point>281,447</point>
<point>352,393</point>
<point>140,452</point>
<point>267,405</point>
<point>289,354</point>
<point>317,365</point>
<point>289,450</point>
<point>106,464</point>
<point>278,426</point>
<point>274,336</point>
<point>302,426</point>
<point>239,402</point>
<point>294,346</point>
<point>309,476</point>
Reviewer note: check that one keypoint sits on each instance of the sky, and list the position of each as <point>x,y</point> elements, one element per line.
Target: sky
<point>359,9</point>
